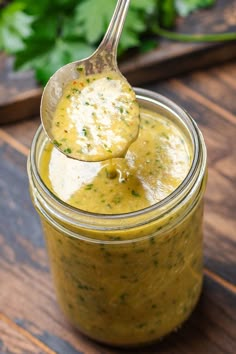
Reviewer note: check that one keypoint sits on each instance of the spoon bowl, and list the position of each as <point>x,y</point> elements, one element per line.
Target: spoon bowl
<point>102,61</point>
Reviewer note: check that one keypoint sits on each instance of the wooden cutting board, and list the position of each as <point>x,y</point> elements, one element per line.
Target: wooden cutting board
<point>20,94</point>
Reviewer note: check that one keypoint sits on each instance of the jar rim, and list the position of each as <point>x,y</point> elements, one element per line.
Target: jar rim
<point>198,143</point>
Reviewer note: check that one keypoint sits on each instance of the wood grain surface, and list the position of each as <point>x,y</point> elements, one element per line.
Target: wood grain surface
<point>20,93</point>
<point>30,320</point>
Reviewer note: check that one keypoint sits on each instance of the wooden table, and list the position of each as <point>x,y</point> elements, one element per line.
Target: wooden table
<point>30,320</point>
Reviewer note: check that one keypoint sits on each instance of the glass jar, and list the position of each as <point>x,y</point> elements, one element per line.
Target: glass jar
<point>132,278</point>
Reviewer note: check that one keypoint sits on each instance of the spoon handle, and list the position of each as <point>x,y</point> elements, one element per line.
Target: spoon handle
<point>112,35</point>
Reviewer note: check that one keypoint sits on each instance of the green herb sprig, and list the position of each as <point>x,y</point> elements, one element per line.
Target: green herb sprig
<point>45,35</point>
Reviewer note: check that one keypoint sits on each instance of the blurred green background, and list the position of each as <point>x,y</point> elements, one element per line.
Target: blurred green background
<point>44,35</point>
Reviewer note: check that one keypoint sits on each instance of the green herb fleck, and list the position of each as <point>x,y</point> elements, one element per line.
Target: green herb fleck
<point>84,132</point>
<point>56,143</point>
<point>123,297</point>
<point>116,199</point>
<point>68,151</point>
<point>152,240</point>
<point>165,136</point>
<point>89,187</point>
<point>114,238</point>
<point>81,298</point>
<point>107,148</point>
<point>68,96</point>
<point>141,325</point>
<point>155,262</point>
<point>134,193</point>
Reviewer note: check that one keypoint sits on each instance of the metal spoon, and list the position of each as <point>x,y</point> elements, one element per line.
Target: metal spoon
<point>102,60</point>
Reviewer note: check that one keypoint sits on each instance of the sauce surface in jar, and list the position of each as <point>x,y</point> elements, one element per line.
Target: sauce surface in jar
<point>154,166</point>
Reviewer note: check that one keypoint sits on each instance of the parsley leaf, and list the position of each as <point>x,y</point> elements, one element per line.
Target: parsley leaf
<point>130,36</point>
<point>184,7</point>
<point>93,27</point>
<point>167,13</point>
<point>15,26</point>
<point>93,18</point>
<point>46,57</point>
<point>146,5</point>
<point>45,35</point>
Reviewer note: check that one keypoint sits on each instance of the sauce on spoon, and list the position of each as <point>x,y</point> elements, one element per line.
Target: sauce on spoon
<point>97,117</point>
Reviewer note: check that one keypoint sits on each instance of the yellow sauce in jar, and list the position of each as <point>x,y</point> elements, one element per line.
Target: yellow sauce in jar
<point>134,292</point>
<point>154,166</point>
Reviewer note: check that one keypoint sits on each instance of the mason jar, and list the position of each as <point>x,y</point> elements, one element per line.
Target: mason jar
<point>127,279</point>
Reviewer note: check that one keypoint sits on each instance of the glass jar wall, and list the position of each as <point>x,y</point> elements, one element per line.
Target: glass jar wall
<point>127,279</point>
